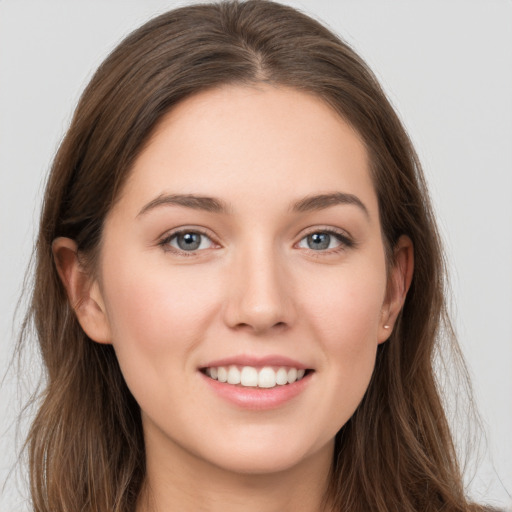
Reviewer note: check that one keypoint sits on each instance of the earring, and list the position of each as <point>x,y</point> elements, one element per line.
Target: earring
<point>386,326</point>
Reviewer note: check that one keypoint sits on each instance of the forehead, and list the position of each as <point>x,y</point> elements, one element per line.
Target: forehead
<point>252,143</point>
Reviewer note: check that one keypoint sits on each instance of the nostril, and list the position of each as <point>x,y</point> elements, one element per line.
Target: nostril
<point>257,314</point>
<point>260,327</point>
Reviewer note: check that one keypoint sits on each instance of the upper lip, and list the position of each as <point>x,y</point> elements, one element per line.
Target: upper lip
<point>246,360</point>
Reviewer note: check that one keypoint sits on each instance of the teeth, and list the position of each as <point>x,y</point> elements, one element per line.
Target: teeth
<point>233,375</point>
<point>249,376</point>
<point>267,378</point>
<point>281,376</point>
<point>222,374</point>
<point>292,375</point>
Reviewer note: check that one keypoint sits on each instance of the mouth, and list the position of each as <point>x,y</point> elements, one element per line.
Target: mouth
<point>265,377</point>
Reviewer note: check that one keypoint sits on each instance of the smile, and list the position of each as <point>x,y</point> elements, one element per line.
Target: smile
<point>250,376</point>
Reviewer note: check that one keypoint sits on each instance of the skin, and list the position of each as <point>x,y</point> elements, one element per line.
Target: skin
<point>255,287</point>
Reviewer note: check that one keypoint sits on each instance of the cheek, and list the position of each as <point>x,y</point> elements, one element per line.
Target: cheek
<point>157,318</point>
<point>152,306</point>
<point>346,307</point>
<point>345,319</point>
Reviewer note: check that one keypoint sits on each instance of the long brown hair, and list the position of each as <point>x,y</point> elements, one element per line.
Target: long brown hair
<point>86,446</point>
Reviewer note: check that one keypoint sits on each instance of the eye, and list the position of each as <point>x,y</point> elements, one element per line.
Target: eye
<point>187,241</point>
<point>324,240</point>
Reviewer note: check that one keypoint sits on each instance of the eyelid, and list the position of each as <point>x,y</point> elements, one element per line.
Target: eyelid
<point>346,240</point>
<point>164,240</point>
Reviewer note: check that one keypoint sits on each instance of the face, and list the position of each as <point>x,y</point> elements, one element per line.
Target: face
<point>246,246</point>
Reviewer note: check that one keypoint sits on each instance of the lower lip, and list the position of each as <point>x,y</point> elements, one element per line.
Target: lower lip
<point>258,399</point>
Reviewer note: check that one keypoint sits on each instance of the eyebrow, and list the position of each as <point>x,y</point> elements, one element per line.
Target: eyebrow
<point>322,201</point>
<point>213,205</point>
<point>208,204</point>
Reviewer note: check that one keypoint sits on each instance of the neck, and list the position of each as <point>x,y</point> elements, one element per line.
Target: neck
<point>178,480</point>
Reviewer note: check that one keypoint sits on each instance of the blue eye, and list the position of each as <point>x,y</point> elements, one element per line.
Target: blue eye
<point>188,241</point>
<point>324,240</point>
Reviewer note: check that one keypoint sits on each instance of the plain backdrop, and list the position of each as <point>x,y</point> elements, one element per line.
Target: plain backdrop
<point>447,67</point>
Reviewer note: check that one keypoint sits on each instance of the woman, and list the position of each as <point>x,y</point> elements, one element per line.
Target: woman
<point>239,282</point>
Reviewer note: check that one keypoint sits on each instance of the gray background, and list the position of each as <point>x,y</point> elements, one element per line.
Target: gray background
<point>447,67</point>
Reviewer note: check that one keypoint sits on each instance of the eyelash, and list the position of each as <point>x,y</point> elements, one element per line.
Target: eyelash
<point>346,242</point>
<point>165,242</point>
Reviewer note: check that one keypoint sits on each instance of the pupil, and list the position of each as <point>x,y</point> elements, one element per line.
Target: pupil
<point>319,241</point>
<point>189,241</point>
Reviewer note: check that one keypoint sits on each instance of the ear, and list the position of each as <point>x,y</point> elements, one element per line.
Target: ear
<point>399,281</point>
<point>83,291</point>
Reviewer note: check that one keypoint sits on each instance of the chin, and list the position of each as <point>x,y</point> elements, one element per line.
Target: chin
<point>274,456</point>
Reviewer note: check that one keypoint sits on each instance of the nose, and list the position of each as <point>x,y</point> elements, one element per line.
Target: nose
<point>259,294</point>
